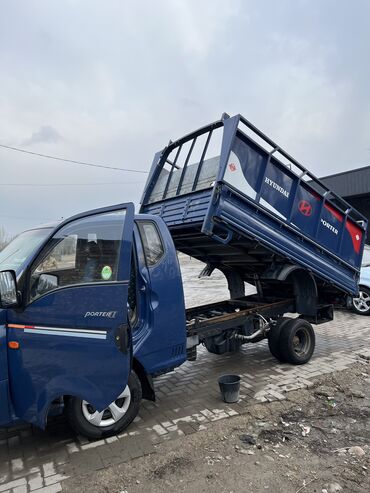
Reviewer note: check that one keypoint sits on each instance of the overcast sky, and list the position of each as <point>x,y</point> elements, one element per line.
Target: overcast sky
<point>112,81</point>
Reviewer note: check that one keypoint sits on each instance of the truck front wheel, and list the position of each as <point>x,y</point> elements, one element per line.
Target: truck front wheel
<point>87,421</point>
<point>297,341</point>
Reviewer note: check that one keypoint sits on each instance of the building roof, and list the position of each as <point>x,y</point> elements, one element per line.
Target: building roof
<point>349,183</point>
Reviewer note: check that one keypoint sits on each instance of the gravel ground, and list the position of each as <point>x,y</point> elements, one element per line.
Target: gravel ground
<point>207,289</point>
<point>317,440</point>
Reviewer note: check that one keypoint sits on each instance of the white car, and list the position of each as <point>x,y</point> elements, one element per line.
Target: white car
<point>361,305</point>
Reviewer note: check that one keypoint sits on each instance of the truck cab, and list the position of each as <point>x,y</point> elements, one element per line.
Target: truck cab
<point>80,318</point>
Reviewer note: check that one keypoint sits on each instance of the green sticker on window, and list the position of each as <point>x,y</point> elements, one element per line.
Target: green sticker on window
<point>106,273</point>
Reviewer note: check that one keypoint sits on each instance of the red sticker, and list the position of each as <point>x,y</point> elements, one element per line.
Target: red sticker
<point>356,235</point>
<point>334,212</point>
<point>232,167</point>
<point>305,208</point>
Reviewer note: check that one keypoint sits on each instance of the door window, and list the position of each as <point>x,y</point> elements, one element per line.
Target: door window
<point>62,257</point>
<point>152,242</point>
<point>83,251</point>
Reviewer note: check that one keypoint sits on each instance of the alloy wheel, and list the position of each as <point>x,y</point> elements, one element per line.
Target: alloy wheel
<point>113,413</point>
<point>362,303</point>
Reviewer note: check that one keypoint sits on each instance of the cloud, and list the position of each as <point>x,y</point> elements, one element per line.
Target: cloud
<point>44,135</point>
<point>115,82</point>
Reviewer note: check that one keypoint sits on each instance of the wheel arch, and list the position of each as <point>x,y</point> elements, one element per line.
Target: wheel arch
<point>305,291</point>
<point>146,380</point>
<point>304,286</point>
<point>60,389</point>
<point>361,285</point>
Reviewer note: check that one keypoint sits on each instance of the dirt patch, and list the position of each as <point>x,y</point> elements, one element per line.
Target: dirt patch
<point>173,466</point>
<point>316,440</point>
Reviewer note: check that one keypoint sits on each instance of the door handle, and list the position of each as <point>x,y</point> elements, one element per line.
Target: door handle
<point>123,338</point>
<point>144,283</point>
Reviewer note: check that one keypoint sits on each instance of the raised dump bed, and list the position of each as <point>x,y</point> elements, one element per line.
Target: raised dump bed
<point>249,207</point>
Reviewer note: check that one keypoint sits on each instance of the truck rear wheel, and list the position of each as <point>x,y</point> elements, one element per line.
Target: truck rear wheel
<point>274,338</point>
<point>87,421</point>
<point>297,341</point>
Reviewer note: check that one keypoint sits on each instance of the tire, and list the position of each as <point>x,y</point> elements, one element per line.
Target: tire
<point>125,409</point>
<point>297,341</point>
<point>361,304</point>
<point>274,338</point>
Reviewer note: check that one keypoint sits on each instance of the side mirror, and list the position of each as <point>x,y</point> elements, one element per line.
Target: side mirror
<point>47,282</point>
<point>8,289</point>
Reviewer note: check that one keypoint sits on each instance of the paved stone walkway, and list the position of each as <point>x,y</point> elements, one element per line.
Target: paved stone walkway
<point>188,401</point>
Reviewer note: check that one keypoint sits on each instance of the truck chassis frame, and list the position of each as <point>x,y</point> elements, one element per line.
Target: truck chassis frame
<point>215,318</point>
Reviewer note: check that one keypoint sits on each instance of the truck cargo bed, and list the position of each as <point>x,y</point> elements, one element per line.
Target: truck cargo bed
<point>253,208</point>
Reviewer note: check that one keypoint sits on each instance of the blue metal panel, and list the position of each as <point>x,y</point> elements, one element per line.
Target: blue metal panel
<point>4,403</point>
<point>4,386</point>
<point>3,347</point>
<point>64,351</point>
<point>185,209</point>
<point>243,218</point>
<point>274,187</point>
<point>160,339</point>
<point>50,364</point>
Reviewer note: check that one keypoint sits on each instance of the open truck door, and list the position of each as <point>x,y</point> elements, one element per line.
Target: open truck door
<point>71,335</point>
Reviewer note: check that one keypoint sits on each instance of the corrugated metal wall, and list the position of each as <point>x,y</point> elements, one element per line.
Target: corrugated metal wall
<point>350,183</point>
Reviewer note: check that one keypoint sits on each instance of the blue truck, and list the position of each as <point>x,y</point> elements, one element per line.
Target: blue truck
<point>92,308</point>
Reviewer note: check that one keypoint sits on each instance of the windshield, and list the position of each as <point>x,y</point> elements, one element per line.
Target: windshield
<point>14,255</point>
<point>366,257</point>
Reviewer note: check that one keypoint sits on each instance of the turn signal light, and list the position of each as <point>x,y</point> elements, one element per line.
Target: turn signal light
<point>13,344</point>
